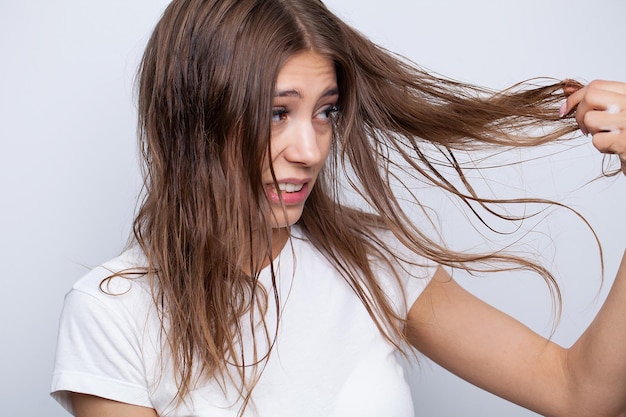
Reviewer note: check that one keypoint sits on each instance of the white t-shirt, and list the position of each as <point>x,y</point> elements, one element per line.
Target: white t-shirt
<point>329,358</point>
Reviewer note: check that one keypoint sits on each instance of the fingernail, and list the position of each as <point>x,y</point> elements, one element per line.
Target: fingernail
<point>563,109</point>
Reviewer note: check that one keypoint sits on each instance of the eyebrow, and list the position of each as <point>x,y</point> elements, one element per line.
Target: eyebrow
<point>295,93</point>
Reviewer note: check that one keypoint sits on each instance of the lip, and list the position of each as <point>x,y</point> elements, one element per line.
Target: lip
<point>288,199</point>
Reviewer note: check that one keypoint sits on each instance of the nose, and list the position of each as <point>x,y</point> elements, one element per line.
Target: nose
<point>303,146</point>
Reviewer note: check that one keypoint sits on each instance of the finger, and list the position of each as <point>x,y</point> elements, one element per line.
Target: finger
<point>615,86</point>
<point>595,101</point>
<point>572,101</point>
<point>612,119</point>
<point>594,88</point>
<point>571,86</point>
<point>600,99</point>
<point>611,143</point>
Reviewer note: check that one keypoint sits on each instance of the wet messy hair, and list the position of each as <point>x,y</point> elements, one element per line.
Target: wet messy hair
<point>205,92</point>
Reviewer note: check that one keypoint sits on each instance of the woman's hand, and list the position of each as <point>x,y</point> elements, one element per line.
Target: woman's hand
<point>601,112</point>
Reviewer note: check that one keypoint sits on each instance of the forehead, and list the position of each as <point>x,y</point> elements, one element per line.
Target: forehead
<point>305,69</point>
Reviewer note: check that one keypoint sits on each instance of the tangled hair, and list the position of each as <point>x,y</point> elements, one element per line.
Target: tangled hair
<point>206,84</point>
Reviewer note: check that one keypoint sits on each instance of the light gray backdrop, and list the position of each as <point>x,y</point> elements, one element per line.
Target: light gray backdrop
<point>68,174</point>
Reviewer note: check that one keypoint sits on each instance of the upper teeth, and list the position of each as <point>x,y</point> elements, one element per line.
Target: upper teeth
<point>290,188</point>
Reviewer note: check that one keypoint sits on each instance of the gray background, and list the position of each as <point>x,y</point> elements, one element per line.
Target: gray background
<point>69,176</point>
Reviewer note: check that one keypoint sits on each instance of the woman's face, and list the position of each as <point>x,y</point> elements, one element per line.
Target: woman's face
<point>304,102</point>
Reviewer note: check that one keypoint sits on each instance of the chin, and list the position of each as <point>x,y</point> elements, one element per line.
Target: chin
<point>286,218</point>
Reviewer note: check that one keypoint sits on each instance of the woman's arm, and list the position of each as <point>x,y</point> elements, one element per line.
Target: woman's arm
<point>489,348</point>
<point>597,361</point>
<point>91,406</point>
<point>499,354</point>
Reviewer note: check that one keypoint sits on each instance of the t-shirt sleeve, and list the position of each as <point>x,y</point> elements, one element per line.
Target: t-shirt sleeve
<point>412,274</point>
<point>414,277</point>
<point>99,351</point>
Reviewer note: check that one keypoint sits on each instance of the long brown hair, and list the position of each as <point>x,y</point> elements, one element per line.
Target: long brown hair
<point>206,83</point>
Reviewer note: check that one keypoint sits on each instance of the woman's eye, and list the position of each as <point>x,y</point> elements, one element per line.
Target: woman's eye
<point>278,115</point>
<point>328,112</point>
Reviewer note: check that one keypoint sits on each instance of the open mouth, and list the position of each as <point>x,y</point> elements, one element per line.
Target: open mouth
<point>288,193</point>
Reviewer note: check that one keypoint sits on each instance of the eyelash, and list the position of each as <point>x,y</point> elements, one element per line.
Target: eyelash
<point>331,111</point>
<point>281,113</point>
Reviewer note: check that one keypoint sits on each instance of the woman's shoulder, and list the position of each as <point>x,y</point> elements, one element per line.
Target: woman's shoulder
<point>119,280</point>
<point>107,332</point>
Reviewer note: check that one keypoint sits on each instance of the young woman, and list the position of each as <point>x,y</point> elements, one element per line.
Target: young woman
<point>253,288</point>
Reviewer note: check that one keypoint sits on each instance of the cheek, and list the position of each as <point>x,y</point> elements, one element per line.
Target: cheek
<point>325,140</point>
<point>275,145</point>
<point>267,158</point>
<point>325,144</point>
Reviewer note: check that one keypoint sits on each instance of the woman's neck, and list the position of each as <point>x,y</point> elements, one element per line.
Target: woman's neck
<point>280,236</point>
